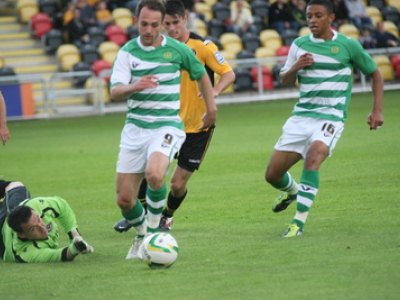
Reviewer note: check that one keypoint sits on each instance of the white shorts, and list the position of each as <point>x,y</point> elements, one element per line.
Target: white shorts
<point>299,132</point>
<point>137,144</point>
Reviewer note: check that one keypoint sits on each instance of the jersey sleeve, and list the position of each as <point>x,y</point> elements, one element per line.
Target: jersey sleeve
<point>121,72</point>
<point>191,64</point>
<point>361,58</point>
<point>214,59</point>
<point>32,254</point>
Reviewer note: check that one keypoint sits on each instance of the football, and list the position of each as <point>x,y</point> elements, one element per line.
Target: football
<point>159,250</point>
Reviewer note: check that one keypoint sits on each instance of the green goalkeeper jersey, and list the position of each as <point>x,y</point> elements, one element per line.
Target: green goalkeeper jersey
<point>50,209</point>
<point>325,86</point>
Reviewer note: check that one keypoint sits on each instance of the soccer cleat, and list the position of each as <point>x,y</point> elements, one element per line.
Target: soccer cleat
<point>122,226</point>
<point>134,252</point>
<point>282,202</point>
<point>166,223</point>
<point>293,230</point>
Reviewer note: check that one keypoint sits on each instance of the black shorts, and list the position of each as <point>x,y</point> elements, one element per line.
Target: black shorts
<point>194,149</point>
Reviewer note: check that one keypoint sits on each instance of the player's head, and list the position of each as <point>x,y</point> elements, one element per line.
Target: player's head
<point>320,15</point>
<point>27,224</point>
<point>175,19</point>
<point>150,14</point>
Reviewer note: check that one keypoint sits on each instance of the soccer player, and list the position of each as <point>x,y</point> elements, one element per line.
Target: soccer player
<point>147,72</point>
<point>322,63</point>
<point>193,108</point>
<point>31,233</point>
<point>4,133</point>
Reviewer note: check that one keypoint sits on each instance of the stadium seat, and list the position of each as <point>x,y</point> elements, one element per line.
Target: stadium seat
<point>67,56</point>
<point>52,40</point>
<point>304,31</point>
<point>266,77</point>
<point>350,30</point>
<point>26,9</point>
<point>116,34</point>
<point>243,80</point>
<point>259,24</point>
<point>132,32</point>
<point>231,41</point>
<point>204,9</point>
<point>250,42</point>
<point>2,62</point>
<point>215,41</point>
<point>49,7</point>
<point>395,60</point>
<point>96,36</point>
<point>79,80</point>
<point>289,36</point>
<point>122,17</point>
<point>391,13</point>
<point>201,27</point>
<point>384,66</point>
<point>245,54</point>
<point>229,56</point>
<point>394,3</point>
<point>391,27</point>
<point>270,38</point>
<point>40,24</point>
<point>89,54</point>
<point>259,8</point>
<point>89,84</point>
<point>221,11</point>
<point>282,51</point>
<point>215,28</point>
<point>99,66</point>
<point>265,53</point>
<point>108,51</point>
<point>374,14</point>
<point>379,4</point>
<point>8,71</point>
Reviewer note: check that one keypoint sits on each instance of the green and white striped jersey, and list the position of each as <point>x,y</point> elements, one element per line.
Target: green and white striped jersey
<point>157,107</point>
<point>325,86</point>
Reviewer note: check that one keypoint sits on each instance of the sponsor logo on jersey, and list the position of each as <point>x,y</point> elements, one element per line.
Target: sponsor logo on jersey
<point>219,57</point>
<point>335,50</point>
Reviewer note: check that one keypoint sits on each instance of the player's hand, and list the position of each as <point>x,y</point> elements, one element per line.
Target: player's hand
<point>79,245</point>
<point>305,60</point>
<point>209,120</point>
<point>4,134</point>
<point>375,120</point>
<point>146,82</point>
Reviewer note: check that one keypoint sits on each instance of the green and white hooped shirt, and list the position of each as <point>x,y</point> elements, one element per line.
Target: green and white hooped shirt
<point>325,86</point>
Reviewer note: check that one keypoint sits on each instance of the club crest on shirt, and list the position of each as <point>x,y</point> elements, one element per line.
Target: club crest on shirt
<point>335,50</point>
<point>167,55</point>
<point>167,141</point>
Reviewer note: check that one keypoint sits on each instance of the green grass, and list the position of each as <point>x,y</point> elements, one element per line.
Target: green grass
<point>230,241</point>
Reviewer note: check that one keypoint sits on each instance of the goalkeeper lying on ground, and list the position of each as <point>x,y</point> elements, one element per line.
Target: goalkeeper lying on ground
<point>31,233</point>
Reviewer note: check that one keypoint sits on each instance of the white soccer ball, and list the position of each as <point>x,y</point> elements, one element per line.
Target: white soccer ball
<point>159,250</point>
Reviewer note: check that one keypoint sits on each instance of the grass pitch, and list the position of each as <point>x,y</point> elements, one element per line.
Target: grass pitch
<point>230,241</point>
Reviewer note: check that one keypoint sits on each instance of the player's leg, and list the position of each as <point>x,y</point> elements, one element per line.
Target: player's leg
<point>322,144</point>
<point>166,143</point>
<point>277,174</point>
<point>123,224</point>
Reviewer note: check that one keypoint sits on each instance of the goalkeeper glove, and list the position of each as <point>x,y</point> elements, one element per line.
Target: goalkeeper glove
<point>79,245</point>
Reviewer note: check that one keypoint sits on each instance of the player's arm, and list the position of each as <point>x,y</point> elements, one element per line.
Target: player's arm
<point>4,133</point>
<point>207,91</point>
<point>225,80</point>
<point>375,118</point>
<point>288,74</point>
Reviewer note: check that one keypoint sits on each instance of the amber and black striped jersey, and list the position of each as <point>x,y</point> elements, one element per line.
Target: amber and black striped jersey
<point>192,106</point>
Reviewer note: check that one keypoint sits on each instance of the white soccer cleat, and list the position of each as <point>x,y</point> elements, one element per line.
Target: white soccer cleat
<point>134,252</point>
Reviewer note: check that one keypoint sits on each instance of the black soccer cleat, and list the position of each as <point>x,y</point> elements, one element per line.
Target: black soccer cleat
<point>122,226</point>
<point>282,202</point>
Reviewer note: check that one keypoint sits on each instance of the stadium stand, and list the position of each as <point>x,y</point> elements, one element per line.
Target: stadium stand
<point>26,9</point>
<point>108,51</point>
<point>374,13</point>
<point>251,42</point>
<point>384,66</point>
<point>40,24</point>
<point>52,40</point>
<point>231,42</point>
<point>67,56</point>
<point>350,30</point>
<point>116,34</point>
<point>122,17</point>
<point>270,38</point>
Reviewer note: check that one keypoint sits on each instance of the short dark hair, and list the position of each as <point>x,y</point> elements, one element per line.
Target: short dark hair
<point>19,216</point>
<point>156,5</point>
<point>175,8</point>
<point>327,3</point>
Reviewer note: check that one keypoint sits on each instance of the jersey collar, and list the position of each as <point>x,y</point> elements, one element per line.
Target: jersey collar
<point>316,40</point>
<point>150,48</point>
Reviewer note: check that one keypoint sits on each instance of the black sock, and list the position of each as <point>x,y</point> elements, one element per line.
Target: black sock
<point>173,204</point>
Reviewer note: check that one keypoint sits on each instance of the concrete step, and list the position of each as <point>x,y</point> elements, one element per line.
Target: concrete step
<point>27,61</point>
<point>18,44</point>
<point>8,37</point>
<point>38,69</point>
<point>8,19</point>
<point>10,28</point>
<point>22,52</point>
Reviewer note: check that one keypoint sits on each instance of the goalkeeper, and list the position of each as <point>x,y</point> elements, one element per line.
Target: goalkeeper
<point>31,233</point>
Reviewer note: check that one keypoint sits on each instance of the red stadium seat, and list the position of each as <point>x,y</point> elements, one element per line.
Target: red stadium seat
<point>267,79</point>
<point>116,34</point>
<point>282,51</point>
<point>99,66</point>
<point>40,24</point>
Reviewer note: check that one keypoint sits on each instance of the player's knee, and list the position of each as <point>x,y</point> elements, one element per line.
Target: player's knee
<point>178,187</point>
<point>271,176</point>
<point>124,203</point>
<point>154,181</point>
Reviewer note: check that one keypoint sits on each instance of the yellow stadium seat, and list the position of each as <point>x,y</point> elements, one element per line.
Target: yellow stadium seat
<point>231,41</point>
<point>349,30</point>
<point>304,31</point>
<point>122,17</point>
<point>26,9</point>
<point>394,3</point>
<point>374,13</point>
<point>204,9</point>
<point>89,84</point>
<point>389,26</point>
<point>384,66</point>
<point>201,27</point>
<point>108,51</point>
<point>270,38</point>
<point>67,56</point>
